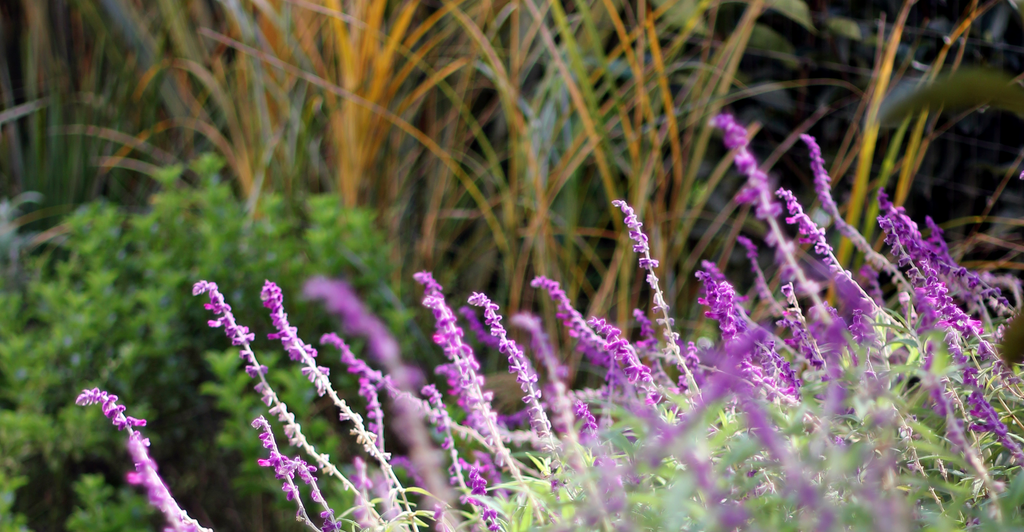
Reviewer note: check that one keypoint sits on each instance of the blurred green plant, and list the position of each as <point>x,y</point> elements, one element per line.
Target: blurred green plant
<point>110,305</point>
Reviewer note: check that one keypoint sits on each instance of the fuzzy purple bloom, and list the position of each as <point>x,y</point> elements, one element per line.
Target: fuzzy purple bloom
<point>478,329</point>
<point>757,192</point>
<point>589,430</point>
<point>636,372</point>
<point>590,344</point>
<point>518,365</point>
<point>145,473</point>
<point>637,235</point>
<point>287,469</point>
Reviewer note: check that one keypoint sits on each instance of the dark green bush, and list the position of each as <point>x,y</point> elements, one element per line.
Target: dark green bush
<point>111,306</point>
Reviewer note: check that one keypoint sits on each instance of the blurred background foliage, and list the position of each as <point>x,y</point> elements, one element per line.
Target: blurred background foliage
<point>482,140</point>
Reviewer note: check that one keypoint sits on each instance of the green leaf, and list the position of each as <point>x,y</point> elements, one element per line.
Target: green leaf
<point>967,87</point>
<point>844,27</point>
<point>168,174</point>
<point>1011,350</point>
<point>680,13</point>
<point>795,10</point>
<point>764,38</point>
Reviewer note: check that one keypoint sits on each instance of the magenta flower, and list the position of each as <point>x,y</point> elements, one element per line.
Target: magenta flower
<point>636,372</point>
<point>757,192</point>
<point>342,301</point>
<point>287,469</point>
<point>590,344</point>
<point>589,430</point>
<point>370,382</point>
<point>145,473</point>
<point>520,366</point>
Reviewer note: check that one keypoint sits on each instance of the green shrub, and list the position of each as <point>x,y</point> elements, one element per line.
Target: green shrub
<point>111,306</point>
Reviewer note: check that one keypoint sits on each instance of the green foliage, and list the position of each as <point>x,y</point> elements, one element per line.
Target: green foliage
<point>101,509</point>
<point>111,306</point>
<point>10,521</point>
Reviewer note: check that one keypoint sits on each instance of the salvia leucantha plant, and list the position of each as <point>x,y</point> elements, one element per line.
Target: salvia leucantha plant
<point>857,411</point>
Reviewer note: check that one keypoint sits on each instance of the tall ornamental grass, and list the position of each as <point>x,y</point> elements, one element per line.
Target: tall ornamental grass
<point>886,407</point>
<point>484,133</point>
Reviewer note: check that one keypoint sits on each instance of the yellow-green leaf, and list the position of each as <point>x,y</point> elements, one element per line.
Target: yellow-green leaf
<point>795,10</point>
<point>967,87</point>
<point>844,27</point>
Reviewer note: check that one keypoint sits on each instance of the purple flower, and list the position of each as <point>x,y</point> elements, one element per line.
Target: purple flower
<point>464,366</point>
<point>590,344</point>
<point>342,301</point>
<point>145,474</point>
<point>287,469</point>
<point>804,342</point>
<point>637,235</point>
<point>478,329</point>
<point>520,366</point>
<point>589,430</point>
<point>636,372</point>
<point>111,409</point>
<point>809,231</point>
<point>757,193</point>
<point>476,403</point>
<point>370,381</point>
<point>478,487</point>
<point>720,298</point>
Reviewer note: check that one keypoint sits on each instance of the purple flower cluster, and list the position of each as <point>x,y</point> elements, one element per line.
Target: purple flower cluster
<point>468,383</point>
<point>762,365</point>
<point>297,350</point>
<point>591,345</point>
<point>720,298</point>
<point>370,381</point>
<point>624,353</point>
<point>477,328</point>
<point>145,473</point>
<point>758,193</point>
<point>810,233</point>
<point>287,469</point>
<point>637,235</point>
<point>520,366</point>
<point>589,430</point>
<point>111,409</point>
<point>478,487</point>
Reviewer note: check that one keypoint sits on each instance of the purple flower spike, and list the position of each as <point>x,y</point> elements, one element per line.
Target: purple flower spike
<point>470,383</point>
<point>297,350</point>
<point>720,298</point>
<point>111,409</point>
<point>756,192</point>
<point>649,264</point>
<point>809,231</point>
<point>520,366</point>
<point>620,348</point>
<point>145,473</point>
<point>637,235</point>
<point>370,381</point>
<point>287,469</point>
<point>342,301</point>
<point>589,430</point>
<point>478,329</point>
<point>591,345</point>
